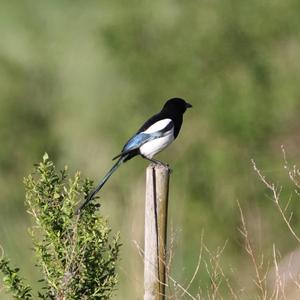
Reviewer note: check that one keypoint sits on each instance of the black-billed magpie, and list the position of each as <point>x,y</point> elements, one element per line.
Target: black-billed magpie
<point>155,135</point>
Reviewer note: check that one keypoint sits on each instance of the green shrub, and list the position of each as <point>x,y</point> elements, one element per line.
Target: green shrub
<point>75,253</point>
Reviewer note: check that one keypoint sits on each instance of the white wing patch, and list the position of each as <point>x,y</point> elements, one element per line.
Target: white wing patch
<point>157,126</point>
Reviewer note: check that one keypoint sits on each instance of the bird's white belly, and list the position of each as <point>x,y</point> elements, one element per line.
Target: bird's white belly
<point>153,147</point>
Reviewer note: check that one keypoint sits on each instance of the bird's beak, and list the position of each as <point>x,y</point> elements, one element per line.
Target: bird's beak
<point>188,105</point>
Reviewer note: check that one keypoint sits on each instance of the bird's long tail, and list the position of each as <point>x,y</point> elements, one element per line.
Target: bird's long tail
<point>101,183</point>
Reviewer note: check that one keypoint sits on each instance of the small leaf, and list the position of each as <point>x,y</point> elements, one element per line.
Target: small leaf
<point>45,157</point>
<point>56,195</point>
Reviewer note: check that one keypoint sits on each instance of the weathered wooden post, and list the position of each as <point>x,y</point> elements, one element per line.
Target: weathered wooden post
<point>156,212</point>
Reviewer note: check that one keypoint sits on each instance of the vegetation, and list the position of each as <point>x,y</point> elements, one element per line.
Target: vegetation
<point>78,78</point>
<point>75,253</point>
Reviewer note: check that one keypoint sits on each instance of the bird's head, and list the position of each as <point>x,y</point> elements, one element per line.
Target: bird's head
<point>176,105</point>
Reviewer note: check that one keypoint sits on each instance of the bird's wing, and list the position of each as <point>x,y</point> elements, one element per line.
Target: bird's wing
<point>156,130</point>
<point>163,126</point>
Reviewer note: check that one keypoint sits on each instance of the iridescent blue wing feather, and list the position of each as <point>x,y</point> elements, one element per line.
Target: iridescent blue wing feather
<point>138,140</point>
<point>142,137</point>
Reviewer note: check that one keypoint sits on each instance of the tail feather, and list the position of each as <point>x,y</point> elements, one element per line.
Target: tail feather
<point>124,154</point>
<point>101,183</point>
<point>117,156</point>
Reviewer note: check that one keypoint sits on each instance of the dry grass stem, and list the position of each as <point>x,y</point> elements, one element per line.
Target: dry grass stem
<point>184,291</point>
<point>260,280</point>
<point>276,199</point>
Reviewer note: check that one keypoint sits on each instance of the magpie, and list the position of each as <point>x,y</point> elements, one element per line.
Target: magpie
<point>155,135</point>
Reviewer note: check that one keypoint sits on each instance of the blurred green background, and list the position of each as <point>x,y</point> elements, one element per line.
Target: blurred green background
<point>77,78</point>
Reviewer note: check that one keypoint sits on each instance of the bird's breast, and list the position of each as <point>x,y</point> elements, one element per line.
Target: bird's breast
<point>153,147</point>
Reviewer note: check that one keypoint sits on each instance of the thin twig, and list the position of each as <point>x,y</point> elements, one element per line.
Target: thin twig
<point>276,198</point>
<point>198,264</point>
<point>175,282</point>
<point>260,281</point>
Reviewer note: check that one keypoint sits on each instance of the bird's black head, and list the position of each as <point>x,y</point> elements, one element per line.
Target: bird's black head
<point>176,105</point>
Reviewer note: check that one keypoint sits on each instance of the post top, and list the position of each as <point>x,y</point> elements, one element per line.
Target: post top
<point>159,167</point>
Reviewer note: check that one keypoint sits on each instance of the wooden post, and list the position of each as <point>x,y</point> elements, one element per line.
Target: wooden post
<point>156,212</point>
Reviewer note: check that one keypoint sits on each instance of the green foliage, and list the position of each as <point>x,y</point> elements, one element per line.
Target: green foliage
<point>14,282</point>
<point>75,252</point>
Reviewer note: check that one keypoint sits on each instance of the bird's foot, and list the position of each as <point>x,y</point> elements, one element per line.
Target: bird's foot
<point>158,162</point>
<point>165,165</point>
